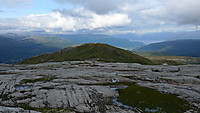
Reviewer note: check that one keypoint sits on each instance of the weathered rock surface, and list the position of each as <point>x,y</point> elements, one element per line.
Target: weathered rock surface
<point>68,85</point>
<point>15,110</point>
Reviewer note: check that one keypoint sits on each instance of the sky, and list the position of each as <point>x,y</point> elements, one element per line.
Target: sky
<point>99,16</point>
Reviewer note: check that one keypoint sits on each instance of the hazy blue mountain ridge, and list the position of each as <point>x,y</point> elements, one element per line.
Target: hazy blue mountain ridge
<point>14,47</point>
<point>13,50</point>
<point>188,47</point>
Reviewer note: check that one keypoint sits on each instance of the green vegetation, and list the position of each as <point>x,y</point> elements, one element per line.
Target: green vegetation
<point>42,110</point>
<point>6,73</point>
<point>45,79</point>
<point>120,83</point>
<point>114,83</point>
<point>171,60</point>
<point>90,51</point>
<point>150,100</point>
<point>46,109</point>
<point>128,70</point>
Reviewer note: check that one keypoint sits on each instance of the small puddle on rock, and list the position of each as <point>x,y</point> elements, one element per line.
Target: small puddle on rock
<point>22,87</point>
<point>152,110</point>
<point>116,87</point>
<point>13,70</point>
<point>116,102</point>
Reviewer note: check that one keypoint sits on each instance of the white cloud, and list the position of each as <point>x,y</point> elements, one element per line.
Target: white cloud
<point>184,11</point>
<point>127,15</point>
<point>53,20</point>
<point>109,20</point>
<point>69,22</point>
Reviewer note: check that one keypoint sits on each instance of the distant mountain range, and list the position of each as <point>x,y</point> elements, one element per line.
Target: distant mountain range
<point>15,48</point>
<point>63,41</point>
<point>99,38</point>
<point>187,47</point>
<point>159,37</point>
<point>89,51</point>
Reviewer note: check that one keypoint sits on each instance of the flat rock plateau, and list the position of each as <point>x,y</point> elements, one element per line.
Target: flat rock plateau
<point>76,86</point>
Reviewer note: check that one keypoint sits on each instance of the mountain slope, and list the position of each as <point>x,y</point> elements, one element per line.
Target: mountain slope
<point>90,51</point>
<point>50,41</point>
<point>190,47</point>
<point>13,50</point>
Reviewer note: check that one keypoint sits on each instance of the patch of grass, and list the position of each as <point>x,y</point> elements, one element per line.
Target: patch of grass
<point>148,100</point>
<point>45,79</point>
<point>128,70</point>
<point>6,73</point>
<point>119,83</point>
<point>171,60</point>
<point>42,110</point>
<point>41,75</point>
<point>113,83</point>
<point>47,110</point>
<point>86,76</point>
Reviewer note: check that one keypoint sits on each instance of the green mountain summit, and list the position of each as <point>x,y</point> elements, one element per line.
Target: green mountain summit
<point>89,51</point>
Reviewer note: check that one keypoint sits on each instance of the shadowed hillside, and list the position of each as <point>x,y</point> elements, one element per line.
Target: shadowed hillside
<point>13,50</point>
<point>188,47</point>
<point>90,51</point>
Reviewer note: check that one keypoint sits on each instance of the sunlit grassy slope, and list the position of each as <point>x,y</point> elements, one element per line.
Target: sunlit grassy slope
<point>90,51</point>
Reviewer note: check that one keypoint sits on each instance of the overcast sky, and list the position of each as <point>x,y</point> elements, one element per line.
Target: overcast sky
<point>99,16</point>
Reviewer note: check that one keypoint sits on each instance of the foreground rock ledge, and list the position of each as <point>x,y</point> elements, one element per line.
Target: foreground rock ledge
<point>60,85</point>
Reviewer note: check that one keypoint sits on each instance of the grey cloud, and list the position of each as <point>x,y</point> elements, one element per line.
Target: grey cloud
<point>13,3</point>
<point>171,12</point>
<point>185,19</point>
<point>71,13</point>
<point>184,11</point>
<point>98,6</point>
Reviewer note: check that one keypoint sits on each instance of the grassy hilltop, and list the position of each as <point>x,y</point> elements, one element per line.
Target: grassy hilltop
<point>89,51</point>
